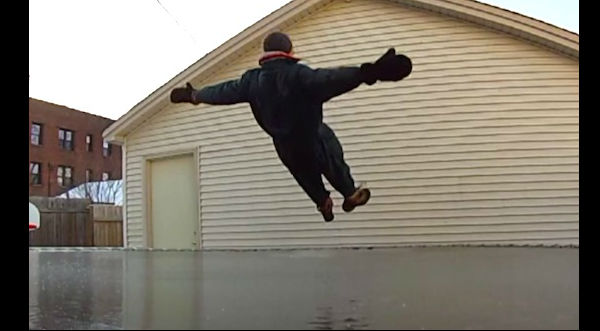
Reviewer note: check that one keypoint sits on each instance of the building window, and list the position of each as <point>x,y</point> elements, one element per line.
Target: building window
<point>105,176</point>
<point>88,143</point>
<point>88,175</point>
<point>36,173</point>
<point>36,134</point>
<point>65,139</point>
<point>106,148</point>
<point>64,176</point>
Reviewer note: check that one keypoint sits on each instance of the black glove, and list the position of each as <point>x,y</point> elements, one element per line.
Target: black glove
<point>183,94</point>
<point>389,67</point>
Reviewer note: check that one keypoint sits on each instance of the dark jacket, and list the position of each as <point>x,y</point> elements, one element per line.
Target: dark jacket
<point>286,97</point>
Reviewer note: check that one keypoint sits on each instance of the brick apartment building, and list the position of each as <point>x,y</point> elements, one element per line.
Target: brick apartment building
<point>66,149</point>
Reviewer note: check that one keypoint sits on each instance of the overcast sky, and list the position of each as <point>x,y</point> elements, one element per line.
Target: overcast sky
<point>105,56</point>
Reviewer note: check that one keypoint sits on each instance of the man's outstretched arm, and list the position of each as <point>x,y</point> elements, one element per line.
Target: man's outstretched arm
<point>226,93</point>
<point>325,84</point>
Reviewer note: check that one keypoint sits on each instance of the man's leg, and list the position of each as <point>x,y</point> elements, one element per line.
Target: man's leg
<point>332,162</point>
<point>303,165</point>
<point>337,171</point>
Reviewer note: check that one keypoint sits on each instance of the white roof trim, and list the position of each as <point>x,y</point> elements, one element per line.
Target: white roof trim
<point>518,25</point>
<point>160,98</point>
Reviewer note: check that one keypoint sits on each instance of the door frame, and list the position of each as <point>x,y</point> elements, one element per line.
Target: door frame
<point>147,192</point>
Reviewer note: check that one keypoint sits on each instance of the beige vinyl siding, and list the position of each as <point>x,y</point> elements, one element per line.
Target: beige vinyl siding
<point>478,146</point>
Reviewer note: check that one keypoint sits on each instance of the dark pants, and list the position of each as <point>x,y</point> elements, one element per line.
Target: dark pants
<point>308,159</point>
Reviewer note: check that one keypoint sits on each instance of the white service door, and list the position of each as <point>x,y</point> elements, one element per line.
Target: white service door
<point>174,202</point>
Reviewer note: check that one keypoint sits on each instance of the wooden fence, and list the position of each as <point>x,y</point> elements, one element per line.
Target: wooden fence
<point>76,222</point>
<point>108,225</point>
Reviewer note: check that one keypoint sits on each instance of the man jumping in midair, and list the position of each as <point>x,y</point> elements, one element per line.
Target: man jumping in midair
<point>287,98</point>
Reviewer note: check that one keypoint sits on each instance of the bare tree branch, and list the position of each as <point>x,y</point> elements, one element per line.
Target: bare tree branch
<point>105,192</point>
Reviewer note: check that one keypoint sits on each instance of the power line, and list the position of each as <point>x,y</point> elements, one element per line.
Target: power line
<point>177,22</point>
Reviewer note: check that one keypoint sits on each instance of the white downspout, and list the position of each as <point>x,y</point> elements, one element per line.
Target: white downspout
<point>124,188</point>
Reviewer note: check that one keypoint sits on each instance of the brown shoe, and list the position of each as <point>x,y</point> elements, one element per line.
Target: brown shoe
<point>360,197</point>
<point>326,209</point>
